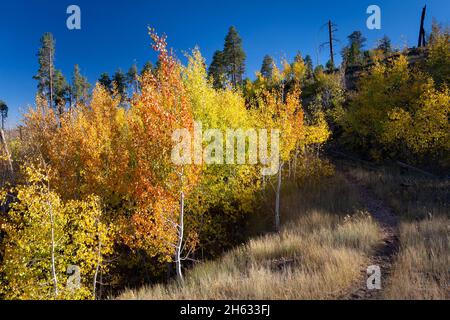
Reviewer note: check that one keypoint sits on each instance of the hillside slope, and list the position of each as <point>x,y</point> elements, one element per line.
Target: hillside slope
<point>333,230</point>
<point>324,244</point>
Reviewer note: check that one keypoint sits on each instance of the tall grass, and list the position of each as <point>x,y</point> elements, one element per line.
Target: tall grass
<point>318,254</point>
<point>422,270</point>
<point>422,267</point>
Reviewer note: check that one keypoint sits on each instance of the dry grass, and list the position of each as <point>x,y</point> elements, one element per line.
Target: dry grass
<point>317,255</point>
<point>422,267</point>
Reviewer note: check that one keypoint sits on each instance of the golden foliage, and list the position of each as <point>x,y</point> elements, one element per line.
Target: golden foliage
<point>38,223</point>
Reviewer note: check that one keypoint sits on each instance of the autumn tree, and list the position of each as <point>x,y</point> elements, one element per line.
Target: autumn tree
<point>438,61</point>
<point>296,71</point>
<point>123,157</point>
<point>326,93</point>
<point>226,193</point>
<point>425,130</point>
<point>159,183</point>
<point>285,114</point>
<point>45,237</point>
<point>398,113</point>
<point>87,151</point>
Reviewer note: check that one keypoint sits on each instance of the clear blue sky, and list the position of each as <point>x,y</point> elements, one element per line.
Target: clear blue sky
<point>114,33</point>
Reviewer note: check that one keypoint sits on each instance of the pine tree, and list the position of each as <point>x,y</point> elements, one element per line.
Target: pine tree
<point>234,57</point>
<point>61,92</point>
<point>148,67</point>
<point>80,86</point>
<point>309,66</point>
<point>133,78</point>
<point>330,66</point>
<point>120,83</point>
<point>385,45</point>
<point>105,81</point>
<point>217,71</point>
<point>267,67</point>
<point>45,74</point>
<point>352,54</point>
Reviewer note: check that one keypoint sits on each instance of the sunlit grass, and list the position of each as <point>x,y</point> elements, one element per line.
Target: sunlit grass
<point>318,254</point>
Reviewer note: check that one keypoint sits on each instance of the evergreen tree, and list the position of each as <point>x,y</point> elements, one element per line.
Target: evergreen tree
<point>309,66</point>
<point>385,45</point>
<point>133,78</point>
<point>267,67</point>
<point>352,54</point>
<point>105,81</point>
<point>46,71</point>
<point>217,71</point>
<point>61,92</point>
<point>330,66</point>
<point>234,57</point>
<point>80,86</point>
<point>120,84</point>
<point>148,67</point>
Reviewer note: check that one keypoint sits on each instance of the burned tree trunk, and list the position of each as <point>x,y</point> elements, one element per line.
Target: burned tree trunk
<point>330,33</point>
<point>422,41</point>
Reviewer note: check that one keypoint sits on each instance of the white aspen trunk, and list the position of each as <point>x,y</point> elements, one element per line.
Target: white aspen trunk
<point>180,240</point>
<point>295,165</point>
<point>277,200</point>
<point>55,279</point>
<point>99,259</point>
<point>290,163</point>
<point>100,291</point>
<point>8,155</point>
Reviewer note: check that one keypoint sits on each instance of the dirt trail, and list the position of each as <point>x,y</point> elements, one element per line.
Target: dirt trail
<point>385,253</point>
